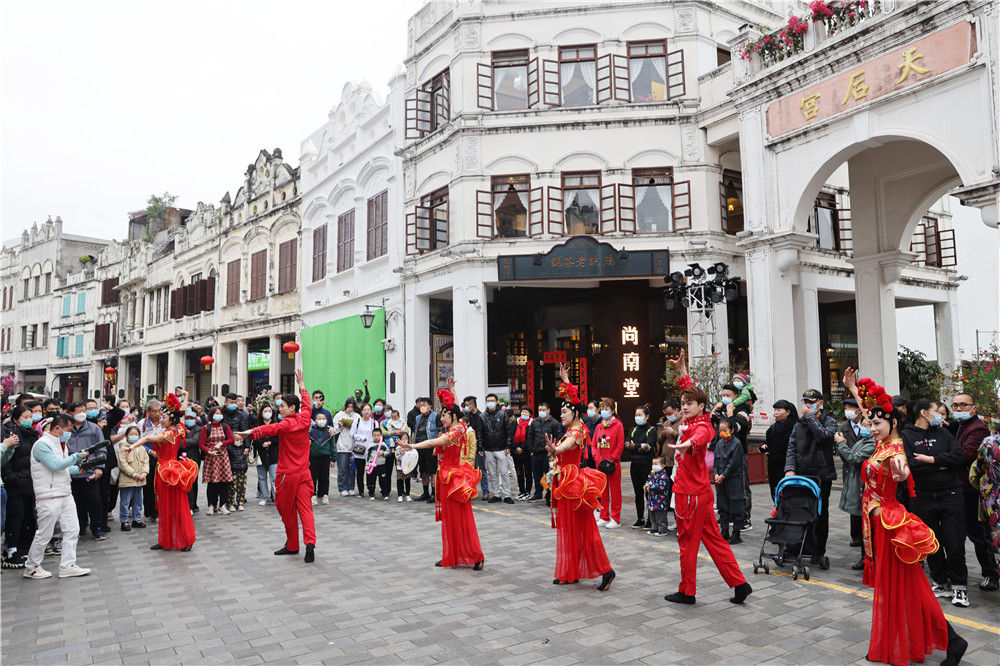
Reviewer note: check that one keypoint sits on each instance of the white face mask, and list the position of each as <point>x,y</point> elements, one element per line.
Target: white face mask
<point>850,414</point>
<point>491,405</point>
<point>320,423</point>
<point>266,415</point>
<point>542,414</point>
<point>657,468</point>
<point>672,418</point>
<point>81,417</point>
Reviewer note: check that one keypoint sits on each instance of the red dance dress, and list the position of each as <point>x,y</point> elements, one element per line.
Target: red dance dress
<point>457,484</point>
<point>172,484</point>
<point>907,621</point>
<point>576,493</point>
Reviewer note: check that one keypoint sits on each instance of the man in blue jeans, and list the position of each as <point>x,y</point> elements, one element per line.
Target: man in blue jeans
<point>544,425</point>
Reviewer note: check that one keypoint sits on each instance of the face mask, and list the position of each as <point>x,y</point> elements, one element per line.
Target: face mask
<point>317,405</point>
<point>35,418</point>
<point>52,412</point>
<point>657,468</point>
<point>591,413</point>
<point>132,439</point>
<point>466,409</point>
<point>850,414</point>
<point>217,417</point>
<point>865,432</point>
<point>963,416</point>
<point>320,423</point>
<point>64,437</point>
<point>640,420</point>
<point>725,435</point>
<point>937,420</point>
<point>378,409</point>
<point>738,385</point>
<point>727,401</point>
<point>491,405</point>
<point>25,423</point>
<point>189,412</point>
<point>266,415</point>
<point>80,418</point>
<point>672,418</point>
<point>542,414</point>
<point>277,403</point>
<point>92,413</point>
<point>605,414</point>
<point>280,417</point>
<point>525,418</point>
<point>231,407</point>
<point>189,423</point>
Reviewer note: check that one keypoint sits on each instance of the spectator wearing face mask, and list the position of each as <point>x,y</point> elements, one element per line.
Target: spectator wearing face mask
<point>776,441</point>
<point>342,425</point>
<point>641,445</point>
<point>234,417</point>
<point>850,430</point>
<point>20,522</point>
<point>321,445</point>
<point>854,447</point>
<point>496,440</point>
<point>728,473</point>
<point>86,484</point>
<point>193,425</point>
<point>318,400</point>
<point>739,414</point>
<point>133,467</point>
<point>379,412</point>
<point>609,443</point>
<point>214,442</point>
<point>590,420</point>
<point>266,449</point>
<point>521,454</point>
<point>544,425</point>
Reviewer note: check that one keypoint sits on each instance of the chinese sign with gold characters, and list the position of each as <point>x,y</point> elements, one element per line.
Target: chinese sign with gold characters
<point>630,360</point>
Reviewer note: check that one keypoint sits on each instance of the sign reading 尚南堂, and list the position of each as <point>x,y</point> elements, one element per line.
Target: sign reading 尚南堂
<point>929,56</point>
<point>583,257</point>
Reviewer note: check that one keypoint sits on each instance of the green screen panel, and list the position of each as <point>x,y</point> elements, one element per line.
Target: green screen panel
<point>339,355</point>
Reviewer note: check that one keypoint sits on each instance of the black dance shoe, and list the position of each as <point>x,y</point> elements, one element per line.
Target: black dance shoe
<point>606,580</point>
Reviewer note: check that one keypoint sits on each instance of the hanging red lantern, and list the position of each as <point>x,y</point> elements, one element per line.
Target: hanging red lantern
<point>207,361</point>
<point>110,370</point>
<point>291,347</point>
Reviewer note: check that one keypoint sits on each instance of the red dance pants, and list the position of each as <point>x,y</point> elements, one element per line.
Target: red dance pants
<point>611,498</point>
<point>696,524</point>
<point>293,499</point>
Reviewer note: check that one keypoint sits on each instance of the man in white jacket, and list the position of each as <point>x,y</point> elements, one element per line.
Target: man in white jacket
<point>50,477</point>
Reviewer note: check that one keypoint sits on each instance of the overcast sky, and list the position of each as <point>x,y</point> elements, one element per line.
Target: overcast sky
<point>107,102</point>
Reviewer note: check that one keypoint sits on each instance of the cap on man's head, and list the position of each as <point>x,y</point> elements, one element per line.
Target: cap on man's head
<point>812,394</point>
<point>851,402</point>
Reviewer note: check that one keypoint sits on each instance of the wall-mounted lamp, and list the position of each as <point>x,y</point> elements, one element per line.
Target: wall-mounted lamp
<point>596,347</point>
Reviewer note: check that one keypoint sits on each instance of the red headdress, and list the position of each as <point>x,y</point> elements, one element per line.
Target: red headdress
<point>569,393</point>
<point>447,398</point>
<point>173,402</point>
<point>874,398</point>
<point>685,382</point>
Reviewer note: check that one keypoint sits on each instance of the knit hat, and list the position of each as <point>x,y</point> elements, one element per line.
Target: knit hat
<point>741,377</point>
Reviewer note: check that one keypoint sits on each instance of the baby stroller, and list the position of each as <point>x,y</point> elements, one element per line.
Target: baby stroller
<point>797,508</point>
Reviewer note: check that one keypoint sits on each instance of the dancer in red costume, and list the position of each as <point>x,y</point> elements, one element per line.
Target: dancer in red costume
<point>693,498</point>
<point>175,528</point>
<point>907,622</point>
<point>576,492</point>
<point>293,484</point>
<point>457,483</point>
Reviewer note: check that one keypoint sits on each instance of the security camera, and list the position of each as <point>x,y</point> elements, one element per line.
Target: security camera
<point>473,301</point>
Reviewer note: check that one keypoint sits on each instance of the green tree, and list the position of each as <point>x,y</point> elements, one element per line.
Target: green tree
<point>157,209</point>
<point>917,376</point>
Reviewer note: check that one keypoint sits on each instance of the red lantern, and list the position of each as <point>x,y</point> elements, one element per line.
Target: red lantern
<point>207,361</point>
<point>291,347</point>
<point>110,370</point>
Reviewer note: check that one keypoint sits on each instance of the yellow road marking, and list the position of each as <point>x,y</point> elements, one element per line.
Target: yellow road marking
<point>843,589</point>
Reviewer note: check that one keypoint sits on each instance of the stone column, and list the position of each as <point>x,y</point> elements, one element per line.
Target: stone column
<point>220,369</point>
<point>417,380</point>
<point>946,326</point>
<point>175,369</point>
<point>878,350</point>
<point>807,349</point>
<point>274,368</point>
<point>242,383</point>
<point>147,374</point>
<point>469,327</point>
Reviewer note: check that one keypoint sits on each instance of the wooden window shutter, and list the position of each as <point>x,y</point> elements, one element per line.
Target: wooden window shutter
<point>371,229</point>
<point>845,232</point>
<point>411,233</point>
<point>258,274</point>
<point>425,107</point>
<point>440,226</point>
<point>621,84</point>
<point>202,286</point>
<point>557,215</point>
<point>550,83</point>
<point>536,211</point>
<point>604,79</point>
<point>422,230</point>
<point>233,282</point>
<point>443,110</point>
<point>286,266</point>
<point>319,253</point>
<point>484,214</point>
<point>176,304</point>
<point>919,243</point>
<point>626,208</point>
<point>533,89</point>
<point>383,223</point>
<point>191,299</point>
<point>608,200</point>
<point>99,337</point>
<point>293,261</point>
<point>484,86</point>
<point>208,302</point>
<point>682,205</point>
<point>675,74</point>
<point>723,206</point>
<point>947,252</point>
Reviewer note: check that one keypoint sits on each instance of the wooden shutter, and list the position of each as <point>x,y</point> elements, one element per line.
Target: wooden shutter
<point>621,84</point>
<point>443,111</point>
<point>410,124</point>
<point>919,243</point>
<point>191,299</point>
<point>423,231</point>
<point>626,208</point>
<point>424,110</point>
<point>723,206</point>
<point>550,83</point>
<point>439,229</point>
<point>411,233</point>
<point>681,200</point>
<point>675,74</point>
<point>258,274</point>
<point>287,265</point>
<point>208,300</point>
<point>100,331</point>
<point>484,86</point>
<point>557,216</point>
<point>536,212</point>
<point>345,241</point>
<point>845,232</point>
<point>484,214</point>
<point>371,229</point>
<point>533,90</point>
<point>608,221</point>
<point>604,79</point>
<point>233,282</point>
<point>176,304</point>
<point>947,251</point>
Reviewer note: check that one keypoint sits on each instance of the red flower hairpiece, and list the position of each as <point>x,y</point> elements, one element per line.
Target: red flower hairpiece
<point>447,398</point>
<point>872,395</point>
<point>685,382</point>
<point>173,402</point>
<point>569,393</point>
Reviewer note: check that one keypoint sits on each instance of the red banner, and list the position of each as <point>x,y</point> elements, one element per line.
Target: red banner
<point>530,391</point>
<point>583,379</point>
<point>554,357</point>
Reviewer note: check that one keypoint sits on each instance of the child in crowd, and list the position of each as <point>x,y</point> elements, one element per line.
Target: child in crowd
<point>393,429</point>
<point>658,497</point>
<point>133,466</point>
<point>374,461</point>
<point>728,468</point>
<point>403,480</point>
<point>741,381</point>
<point>321,446</point>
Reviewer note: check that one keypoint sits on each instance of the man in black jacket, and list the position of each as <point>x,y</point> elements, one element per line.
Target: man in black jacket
<point>475,419</point>
<point>544,425</point>
<point>851,430</point>
<point>496,439</point>
<point>234,417</point>
<point>934,455</point>
<point>810,453</point>
<point>739,418</point>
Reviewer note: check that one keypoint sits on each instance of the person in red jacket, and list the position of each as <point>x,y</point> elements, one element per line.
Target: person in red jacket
<point>693,499</point>
<point>608,444</point>
<point>293,485</point>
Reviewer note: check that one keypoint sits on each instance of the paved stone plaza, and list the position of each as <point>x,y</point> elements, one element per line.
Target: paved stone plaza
<point>373,595</point>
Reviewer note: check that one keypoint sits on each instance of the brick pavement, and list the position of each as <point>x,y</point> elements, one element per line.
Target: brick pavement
<point>374,596</point>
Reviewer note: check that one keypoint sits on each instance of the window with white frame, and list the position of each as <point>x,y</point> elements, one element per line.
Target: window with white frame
<point>578,75</point>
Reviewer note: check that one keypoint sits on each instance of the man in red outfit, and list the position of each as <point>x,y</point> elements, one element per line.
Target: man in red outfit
<point>696,522</point>
<point>293,485</point>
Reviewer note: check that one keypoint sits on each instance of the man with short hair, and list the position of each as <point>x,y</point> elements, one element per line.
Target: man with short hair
<point>544,424</point>
<point>151,426</point>
<point>86,484</point>
<point>319,399</point>
<point>851,430</point>
<point>810,453</point>
<point>475,417</point>
<point>971,433</point>
<point>425,427</point>
<point>233,416</point>
<point>496,440</point>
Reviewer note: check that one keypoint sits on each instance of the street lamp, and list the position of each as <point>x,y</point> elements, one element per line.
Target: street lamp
<point>699,290</point>
<point>367,317</point>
